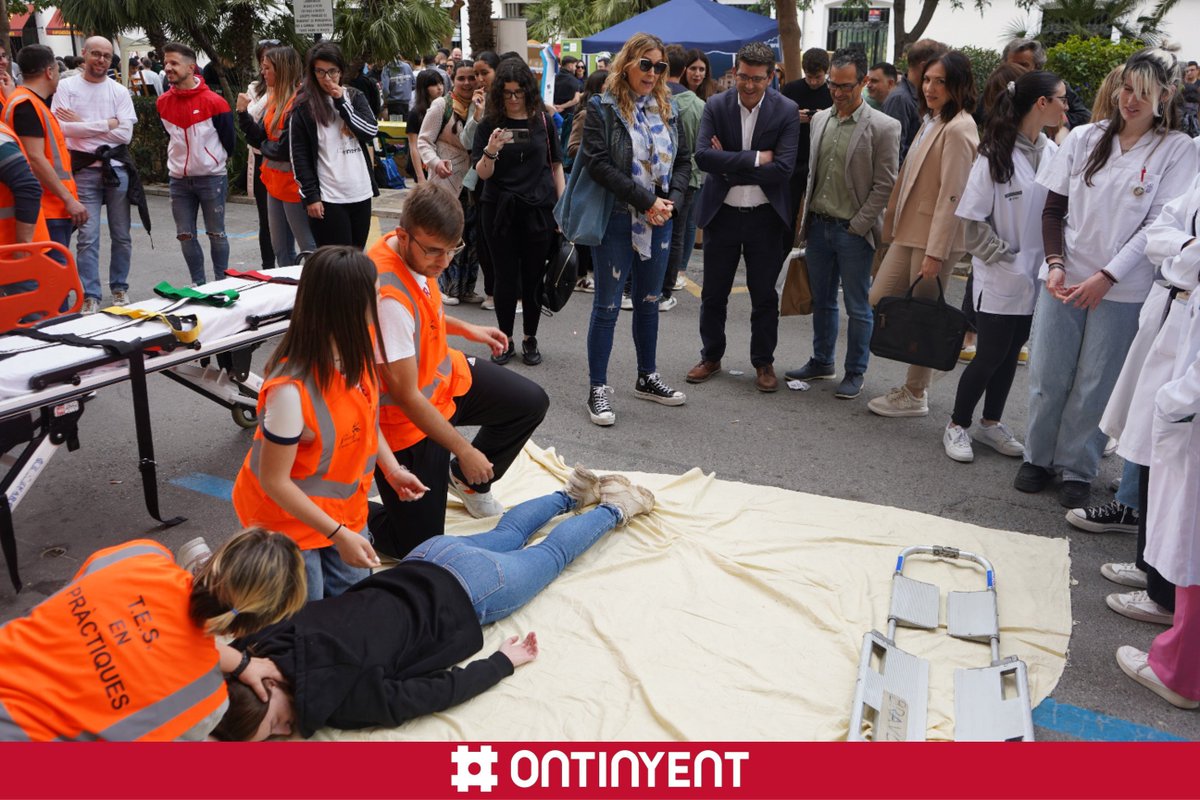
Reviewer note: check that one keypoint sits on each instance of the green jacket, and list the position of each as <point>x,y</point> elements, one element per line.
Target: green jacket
<point>691,108</point>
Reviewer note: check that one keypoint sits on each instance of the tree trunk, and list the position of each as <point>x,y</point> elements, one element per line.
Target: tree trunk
<point>155,35</point>
<point>905,38</point>
<point>455,12</point>
<point>241,20</point>
<point>198,35</point>
<point>479,15</point>
<point>789,37</point>
<point>5,31</point>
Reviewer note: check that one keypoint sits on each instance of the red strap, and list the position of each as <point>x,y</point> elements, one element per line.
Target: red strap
<point>258,275</point>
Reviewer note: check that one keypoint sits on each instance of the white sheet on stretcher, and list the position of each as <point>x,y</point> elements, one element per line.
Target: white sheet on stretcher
<point>737,612</point>
<point>257,299</point>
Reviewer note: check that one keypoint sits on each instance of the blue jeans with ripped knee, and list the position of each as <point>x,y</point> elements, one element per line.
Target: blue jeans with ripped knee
<point>495,568</point>
<point>207,194</point>
<point>612,260</point>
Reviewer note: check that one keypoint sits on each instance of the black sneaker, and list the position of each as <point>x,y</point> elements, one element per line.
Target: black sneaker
<point>651,387</point>
<point>506,356</point>
<point>529,351</point>
<point>1112,517</point>
<point>1032,478</point>
<point>599,409</point>
<point>1074,494</point>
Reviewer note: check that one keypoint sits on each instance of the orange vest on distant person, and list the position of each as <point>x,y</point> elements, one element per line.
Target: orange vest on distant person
<point>442,372</point>
<point>8,208</point>
<point>56,150</point>
<point>113,655</point>
<point>277,176</point>
<point>334,470</point>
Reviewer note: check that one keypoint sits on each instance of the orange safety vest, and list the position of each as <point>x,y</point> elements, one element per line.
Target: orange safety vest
<point>278,176</point>
<point>8,208</point>
<point>56,150</point>
<point>442,372</point>
<point>334,470</point>
<point>113,655</point>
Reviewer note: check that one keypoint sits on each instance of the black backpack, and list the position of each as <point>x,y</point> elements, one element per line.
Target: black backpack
<point>562,270</point>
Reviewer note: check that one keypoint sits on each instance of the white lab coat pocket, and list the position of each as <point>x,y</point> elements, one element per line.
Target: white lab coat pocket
<point>1173,516</point>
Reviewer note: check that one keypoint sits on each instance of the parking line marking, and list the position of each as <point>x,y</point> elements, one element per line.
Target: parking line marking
<point>206,484</point>
<point>1092,726</point>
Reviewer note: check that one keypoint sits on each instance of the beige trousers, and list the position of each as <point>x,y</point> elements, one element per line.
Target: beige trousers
<point>899,269</point>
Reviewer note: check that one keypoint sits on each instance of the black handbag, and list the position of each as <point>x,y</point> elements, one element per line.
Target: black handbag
<point>919,331</point>
<point>562,270</point>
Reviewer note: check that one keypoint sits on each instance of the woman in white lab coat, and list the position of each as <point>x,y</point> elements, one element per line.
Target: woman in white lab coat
<point>1107,182</point>
<point>1002,206</point>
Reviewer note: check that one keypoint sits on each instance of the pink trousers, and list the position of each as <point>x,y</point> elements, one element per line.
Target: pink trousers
<point>1175,655</point>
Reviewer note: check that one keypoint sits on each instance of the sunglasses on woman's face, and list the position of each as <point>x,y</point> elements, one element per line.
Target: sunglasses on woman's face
<point>646,65</point>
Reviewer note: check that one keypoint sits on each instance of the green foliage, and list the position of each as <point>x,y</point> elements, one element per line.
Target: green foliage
<point>377,30</point>
<point>554,19</point>
<point>149,146</point>
<point>983,63</point>
<point>1084,63</point>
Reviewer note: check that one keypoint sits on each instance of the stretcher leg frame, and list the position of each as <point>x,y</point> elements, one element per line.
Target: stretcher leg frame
<point>145,438</point>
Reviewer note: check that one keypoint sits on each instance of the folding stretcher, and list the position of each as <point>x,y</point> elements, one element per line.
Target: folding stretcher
<point>991,703</point>
<point>52,364</point>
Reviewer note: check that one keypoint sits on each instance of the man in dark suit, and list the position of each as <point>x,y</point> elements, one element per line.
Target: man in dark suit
<point>747,145</point>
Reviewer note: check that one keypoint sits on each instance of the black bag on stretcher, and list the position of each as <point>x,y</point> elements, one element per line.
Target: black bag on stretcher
<point>919,331</point>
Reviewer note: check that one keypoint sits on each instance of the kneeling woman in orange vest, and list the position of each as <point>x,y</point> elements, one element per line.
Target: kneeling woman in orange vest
<point>386,651</point>
<point>309,470</point>
<point>126,650</point>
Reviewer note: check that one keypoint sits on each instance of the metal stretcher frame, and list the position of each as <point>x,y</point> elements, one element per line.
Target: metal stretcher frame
<point>59,398</point>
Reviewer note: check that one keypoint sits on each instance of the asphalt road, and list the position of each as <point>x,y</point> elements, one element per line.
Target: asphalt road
<point>807,441</point>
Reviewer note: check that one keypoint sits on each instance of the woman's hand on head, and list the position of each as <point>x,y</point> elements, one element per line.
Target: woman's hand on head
<point>258,671</point>
<point>407,485</point>
<point>355,550</point>
<point>520,651</point>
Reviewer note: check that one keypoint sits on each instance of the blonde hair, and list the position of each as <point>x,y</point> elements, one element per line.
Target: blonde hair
<point>289,72</point>
<point>253,580</point>
<point>617,84</point>
<point>1106,98</point>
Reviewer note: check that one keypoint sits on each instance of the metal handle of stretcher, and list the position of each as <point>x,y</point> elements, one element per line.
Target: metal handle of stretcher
<point>943,551</point>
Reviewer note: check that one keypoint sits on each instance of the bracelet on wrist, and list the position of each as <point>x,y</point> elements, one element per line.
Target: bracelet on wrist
<point>335,531</point>
<point>1057,265</point>
<point>241,667</point>
<point>491,156</point>
<point>1108,276</point>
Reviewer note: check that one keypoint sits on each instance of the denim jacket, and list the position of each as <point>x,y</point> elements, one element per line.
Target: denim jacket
<point>610,162</point>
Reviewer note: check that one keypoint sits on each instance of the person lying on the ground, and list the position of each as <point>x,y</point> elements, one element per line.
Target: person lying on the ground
<point>384,652</point>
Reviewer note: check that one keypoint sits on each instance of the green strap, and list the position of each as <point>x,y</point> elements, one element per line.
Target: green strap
<point>221,299</point>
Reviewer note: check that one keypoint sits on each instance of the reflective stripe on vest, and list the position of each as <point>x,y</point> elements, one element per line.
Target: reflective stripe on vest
<point>56,147</point>
<point>279,166</point>
<point>120,555</point>
<point>444,368</point>
<point>168,708</point>
<point>10,731</point>
<point>8,203</point>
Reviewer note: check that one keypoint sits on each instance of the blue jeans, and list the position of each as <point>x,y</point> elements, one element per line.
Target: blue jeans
<point>500,576</point>
<point>289,230</point>
<point>115,200</point>
<point>327,574</point>
<point>1075,358</point>
<point>1131,483</point>
<point>207,194</point>
<point>612,261</point>
<point>60,231</point>
<point>835,253</point>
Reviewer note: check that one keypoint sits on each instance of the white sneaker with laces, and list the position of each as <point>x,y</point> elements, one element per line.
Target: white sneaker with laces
<point>1139,606</point>
<point>90,305</point>
<point>667,303</point>
<point>479,504</point>
<point>120,297</point>
<point>1136,664</point>
<point>585,284</point>
<point>600,409</point>
<point>900,402</point>
<point>999,438</point>
<point>1124,573</point>
<point>448,300</point>
<point>958,443</point>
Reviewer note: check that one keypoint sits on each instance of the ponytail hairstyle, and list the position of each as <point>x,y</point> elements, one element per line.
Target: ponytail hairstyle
<point>1016,99</point>
<point>253,580</point>
<point>1154,75</point>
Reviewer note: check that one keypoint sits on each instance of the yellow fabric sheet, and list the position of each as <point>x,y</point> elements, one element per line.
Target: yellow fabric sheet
<point>736,612</point>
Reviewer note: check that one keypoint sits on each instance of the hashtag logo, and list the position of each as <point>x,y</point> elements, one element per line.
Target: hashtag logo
<point>474,769</point>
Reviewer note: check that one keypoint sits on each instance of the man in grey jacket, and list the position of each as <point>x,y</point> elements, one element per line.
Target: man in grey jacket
<point>853,155</point>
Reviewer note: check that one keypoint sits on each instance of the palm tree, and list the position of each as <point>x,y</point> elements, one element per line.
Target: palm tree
<point>378,30</point>
<point>1087,18</point>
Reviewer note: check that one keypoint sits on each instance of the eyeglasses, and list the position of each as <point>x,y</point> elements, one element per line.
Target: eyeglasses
<point>841,87</point>
<point>332,74</point>
<point>436,253</point>
<point>755,79</point>
<point>646,65</point>
<point>1062,98</point>
<point>513,94</point>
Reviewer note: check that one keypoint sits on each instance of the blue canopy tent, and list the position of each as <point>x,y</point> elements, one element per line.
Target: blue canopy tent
<point>703,24</point>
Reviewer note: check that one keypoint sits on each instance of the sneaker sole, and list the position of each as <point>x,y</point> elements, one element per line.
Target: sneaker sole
<point>662,401</point>
<point>1031,485</point>
<point>1084,524</point>
<point>1164,692</point>
<point>603,422</point>
<point>892,413</point>
<point>1000,450</point>
<point>846,396</point>
<point>795,375</point>
<point>1140,616</point>
<point>961,459</point>
<point>1119,580</point>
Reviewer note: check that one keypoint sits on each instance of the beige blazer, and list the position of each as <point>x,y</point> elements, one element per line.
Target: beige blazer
<point>920,212</point>
<point>871,160</point>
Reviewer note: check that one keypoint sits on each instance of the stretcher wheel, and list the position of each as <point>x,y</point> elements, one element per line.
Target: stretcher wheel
<point>245,417</point>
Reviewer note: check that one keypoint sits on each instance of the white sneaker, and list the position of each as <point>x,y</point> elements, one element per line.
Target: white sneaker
<point>957,442</point>
<point>1139,606</point>
<point>585,284</point>
<point>479,504</point>
<point>680,284</point>
<point>447,300</point>
<point>488,304</point>
<point>1110,447</point>
<point>900,402</point>
<point>520,306</point>
<point>600,410</point>
<point>1136,664</point>
<point>1124,574</point>
<point>626,303</point>
<point>120,297</point>
<point>667,303</point>
<point>90,305</point>
<point>999,438</point>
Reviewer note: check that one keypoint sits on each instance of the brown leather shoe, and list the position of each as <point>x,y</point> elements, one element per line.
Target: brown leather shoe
<point>703,371</point>
<point>766,380</point>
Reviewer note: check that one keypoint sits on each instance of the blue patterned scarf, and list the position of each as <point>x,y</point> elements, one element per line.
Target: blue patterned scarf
<point>653,156</point>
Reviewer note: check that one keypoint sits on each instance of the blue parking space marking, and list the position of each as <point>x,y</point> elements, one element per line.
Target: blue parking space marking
<point>206,484</point>
<point>1092,726</point>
